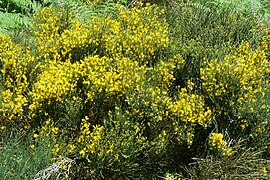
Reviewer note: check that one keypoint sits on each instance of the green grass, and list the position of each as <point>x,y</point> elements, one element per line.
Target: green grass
<point>19,160</point>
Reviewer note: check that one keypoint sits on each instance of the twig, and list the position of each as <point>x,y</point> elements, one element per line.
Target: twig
<point>55,168</point>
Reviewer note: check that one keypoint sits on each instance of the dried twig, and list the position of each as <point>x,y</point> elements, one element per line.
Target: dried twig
<point>62,168</point>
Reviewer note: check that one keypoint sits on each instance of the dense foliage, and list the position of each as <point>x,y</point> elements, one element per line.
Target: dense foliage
<point>137,90</point>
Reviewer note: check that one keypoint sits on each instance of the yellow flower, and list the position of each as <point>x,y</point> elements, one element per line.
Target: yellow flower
<point>216,140</point>
<point>56,149</point>
<point>264,106</point>
<point>82,153</point>
<point>35,136</point>
<point>264,170</point>
<point>168,177</point>
<point>227,152</point>
<point>71,148</point>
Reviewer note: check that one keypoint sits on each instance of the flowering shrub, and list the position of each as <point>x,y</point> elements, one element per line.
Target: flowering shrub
<point>76,66</point>
<point>16,63</point>
<point>199,32</point>
<point>139,35</point>
<point>104,93</point>
<point>235,84</point>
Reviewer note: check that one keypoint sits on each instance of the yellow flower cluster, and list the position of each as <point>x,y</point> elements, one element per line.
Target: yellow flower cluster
<point>218,143</point>
<point>75,37</point>
<point>150,103</point>
<point>55,82</point>
<point>183,114</point>
<point>217,140</point>
<point>50,24</point>
<point>162,74</point>
<point>13,105</point>
<point>188,111</point>
<point>16,69</point>
<point>60,38</point>
<point>138,33</point>
<point>190,108</point>
<point>15,61</point>
<point>58,35</point>
<point>88,140</point>
<point>112,76</point>
<point>49,134</point>
<point>238,77</point>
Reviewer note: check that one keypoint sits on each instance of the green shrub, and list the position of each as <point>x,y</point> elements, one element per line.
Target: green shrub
<point>203,31</point>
